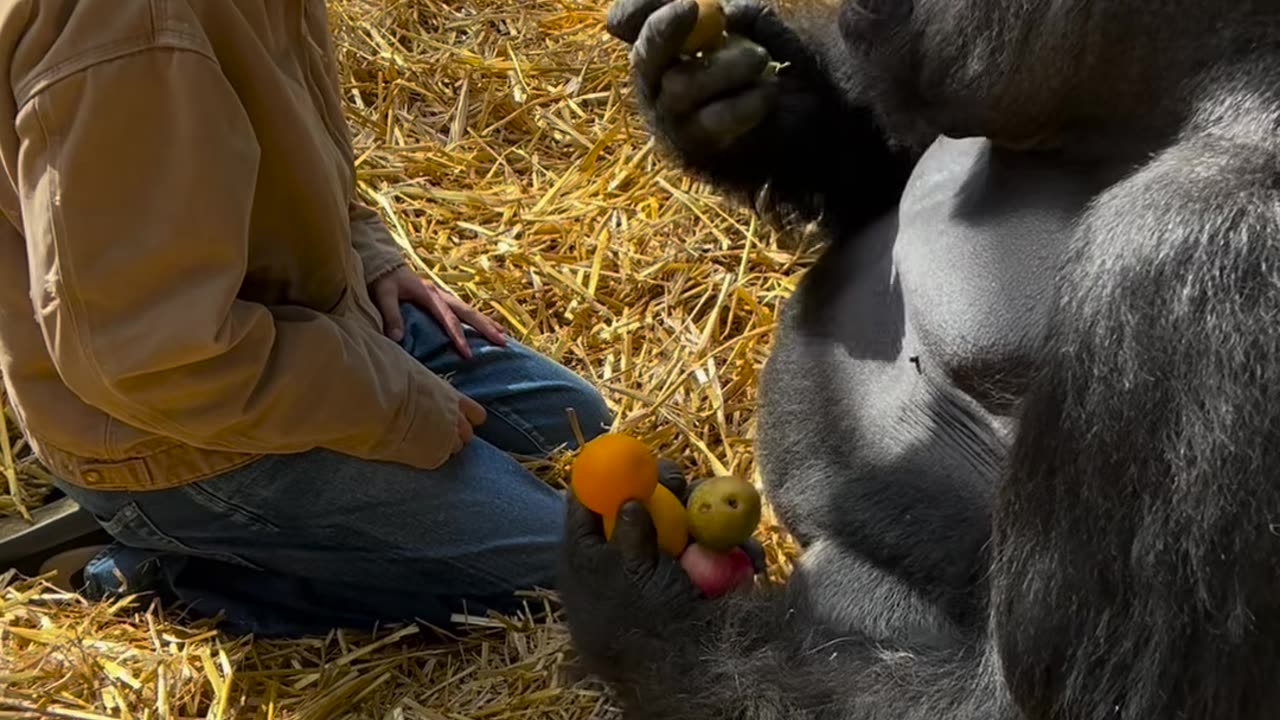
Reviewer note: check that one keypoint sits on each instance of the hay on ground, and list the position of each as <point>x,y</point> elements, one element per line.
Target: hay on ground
<point>499,141</point>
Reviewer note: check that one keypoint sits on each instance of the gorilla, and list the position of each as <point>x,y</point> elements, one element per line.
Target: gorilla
<point>1022,413</point>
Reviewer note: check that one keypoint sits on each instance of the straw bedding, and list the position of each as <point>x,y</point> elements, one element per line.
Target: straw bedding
<point>500,143</point>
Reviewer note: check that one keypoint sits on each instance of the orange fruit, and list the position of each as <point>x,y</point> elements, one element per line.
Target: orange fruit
<point>611,469</point>
<point>669,518</point>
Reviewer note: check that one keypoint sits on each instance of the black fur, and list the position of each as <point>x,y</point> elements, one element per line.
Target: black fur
<point>1121,558</point>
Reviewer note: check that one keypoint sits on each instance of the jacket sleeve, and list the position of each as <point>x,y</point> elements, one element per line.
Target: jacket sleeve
<point>137,182</point>
<point>379,253</point>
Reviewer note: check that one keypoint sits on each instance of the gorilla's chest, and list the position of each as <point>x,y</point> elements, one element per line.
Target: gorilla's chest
<point>980,239</point>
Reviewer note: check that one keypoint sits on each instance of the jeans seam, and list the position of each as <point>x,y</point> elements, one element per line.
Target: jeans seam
<point>513,419</point>
<point>132,517</point>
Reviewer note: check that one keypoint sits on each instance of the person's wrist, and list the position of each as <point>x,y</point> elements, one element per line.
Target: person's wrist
<point>382,271</point>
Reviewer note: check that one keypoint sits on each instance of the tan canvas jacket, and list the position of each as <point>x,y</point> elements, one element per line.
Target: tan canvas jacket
<point>183,268</point>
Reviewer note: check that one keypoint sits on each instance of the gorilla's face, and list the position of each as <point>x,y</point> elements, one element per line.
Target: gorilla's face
<point>996,68</point>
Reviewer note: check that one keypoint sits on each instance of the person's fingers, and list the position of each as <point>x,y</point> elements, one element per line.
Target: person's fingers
<point>485,325</point>
<point>459,437</point>
<point>430,298</point>
<point>386,296</point>
<point>465,430</point>
<point>473,411</point>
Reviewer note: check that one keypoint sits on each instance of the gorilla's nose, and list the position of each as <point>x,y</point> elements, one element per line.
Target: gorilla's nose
<point>863,22</point>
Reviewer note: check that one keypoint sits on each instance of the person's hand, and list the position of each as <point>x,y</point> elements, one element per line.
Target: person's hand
<point>470,414</point>
<point>707,104</point>
<point>613,588</point>
<point>403,284</point>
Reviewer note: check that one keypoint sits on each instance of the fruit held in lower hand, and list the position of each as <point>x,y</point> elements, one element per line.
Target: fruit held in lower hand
<point>708,32</point>
<point>668,518</point>
<point>723,512</point>
<point>716,573</point>
<point>611,469</point>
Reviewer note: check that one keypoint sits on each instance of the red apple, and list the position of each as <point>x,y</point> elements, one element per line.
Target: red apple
<point>716,573</point>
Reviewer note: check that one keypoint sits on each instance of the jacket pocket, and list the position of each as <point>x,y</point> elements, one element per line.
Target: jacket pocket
<point>130,526</point>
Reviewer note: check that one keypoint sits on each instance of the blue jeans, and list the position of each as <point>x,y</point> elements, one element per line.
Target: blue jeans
<point>299,544</point>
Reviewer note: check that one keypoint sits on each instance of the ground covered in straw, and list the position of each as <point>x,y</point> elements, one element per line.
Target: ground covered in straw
<point>500,143</point>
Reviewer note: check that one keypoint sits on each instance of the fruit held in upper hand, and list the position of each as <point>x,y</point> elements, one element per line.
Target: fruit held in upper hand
<point>669,520</point>
<point>723,512</point>
<point>708,33</point>
<point>716,573</point>
<point>611,469</point>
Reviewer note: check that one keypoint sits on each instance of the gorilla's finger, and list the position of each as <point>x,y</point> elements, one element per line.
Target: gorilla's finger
<point>741,18</point>
<point>755,20</point>
<point>636,538</point>
<point>692,84</point>
<point>626,17</point>
<point>658,45</point>
<point>722,122</point>
<point>672,478</point>
<point>582,526</point>
<point>755,551</point>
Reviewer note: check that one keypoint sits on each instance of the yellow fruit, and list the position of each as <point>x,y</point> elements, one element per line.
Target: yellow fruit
<point>723,512</point>
<point>708,32</point>
<point>611,469</point>
<point>668,517</point>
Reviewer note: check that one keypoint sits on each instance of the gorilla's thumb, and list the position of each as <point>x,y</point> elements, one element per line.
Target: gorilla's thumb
<point>635,537</point>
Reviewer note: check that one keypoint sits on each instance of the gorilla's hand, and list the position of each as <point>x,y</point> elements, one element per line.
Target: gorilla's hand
<point>703,106</point>
<point>621,596</point>
<point>625,599</point>
<point>786,138</point>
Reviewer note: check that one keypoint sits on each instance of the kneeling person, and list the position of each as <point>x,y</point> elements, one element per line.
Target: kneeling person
<point>222,356</point>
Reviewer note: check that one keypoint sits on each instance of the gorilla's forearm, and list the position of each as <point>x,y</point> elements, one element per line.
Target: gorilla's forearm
<point>762,656</point>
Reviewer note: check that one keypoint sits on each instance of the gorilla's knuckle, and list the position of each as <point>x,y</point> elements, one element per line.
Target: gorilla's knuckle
<point>755,54</point>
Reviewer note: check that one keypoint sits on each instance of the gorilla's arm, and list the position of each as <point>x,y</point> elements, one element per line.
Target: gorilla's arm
<point>639,624</point>
<point>1137,557</point>
<point>803,138</point>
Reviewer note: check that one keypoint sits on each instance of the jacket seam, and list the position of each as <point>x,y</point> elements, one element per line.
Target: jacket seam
<point>100,54</point>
